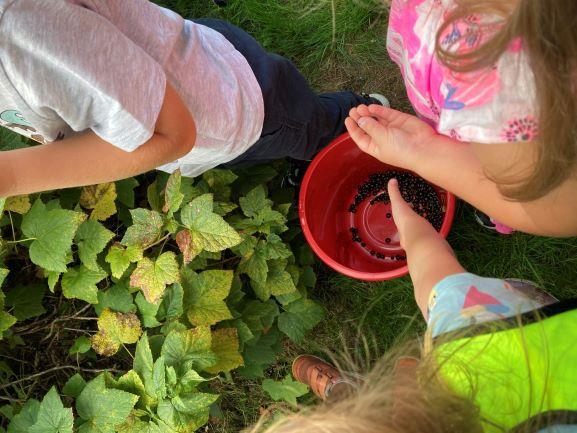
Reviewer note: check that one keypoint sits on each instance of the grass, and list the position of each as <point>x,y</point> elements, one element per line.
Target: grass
<point>340,44</point>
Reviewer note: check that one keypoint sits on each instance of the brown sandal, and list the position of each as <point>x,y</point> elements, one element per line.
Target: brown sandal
<point>320,376</point>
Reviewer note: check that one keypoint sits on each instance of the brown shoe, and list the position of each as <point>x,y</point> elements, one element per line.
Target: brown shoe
<point>320,376</point>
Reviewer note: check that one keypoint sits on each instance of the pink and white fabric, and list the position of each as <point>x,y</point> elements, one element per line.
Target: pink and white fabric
<point>489,106</point>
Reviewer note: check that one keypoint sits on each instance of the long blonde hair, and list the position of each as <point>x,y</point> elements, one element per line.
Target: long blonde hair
<point>546,29</point>
<point>413,401</point>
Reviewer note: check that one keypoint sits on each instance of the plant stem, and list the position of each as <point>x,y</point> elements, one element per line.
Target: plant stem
<point>20,240</point>
<point>162,239</point>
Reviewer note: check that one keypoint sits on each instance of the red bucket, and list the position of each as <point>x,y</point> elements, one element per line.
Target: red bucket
<point>328,189</point>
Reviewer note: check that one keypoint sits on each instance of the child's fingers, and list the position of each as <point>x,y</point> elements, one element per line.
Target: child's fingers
<point>399,206</point>
<point>358,135</point>
<point>385,113</point>
<point>354,114</point>
<point>371,126</point>
<point>363,110</point>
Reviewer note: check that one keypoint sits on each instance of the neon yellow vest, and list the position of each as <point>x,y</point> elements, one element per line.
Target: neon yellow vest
<point>524,368</point>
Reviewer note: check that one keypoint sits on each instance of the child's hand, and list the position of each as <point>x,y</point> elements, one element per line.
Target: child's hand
<point>390,136</point>
<point>406,219</point>
<point>429,256</point>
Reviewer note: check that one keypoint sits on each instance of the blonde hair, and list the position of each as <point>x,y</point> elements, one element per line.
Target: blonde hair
<point>546,29</point>
<point>417,399</point>
<point>410,400</point>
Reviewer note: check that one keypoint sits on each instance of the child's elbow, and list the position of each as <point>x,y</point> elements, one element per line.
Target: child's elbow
<point>182,142</point>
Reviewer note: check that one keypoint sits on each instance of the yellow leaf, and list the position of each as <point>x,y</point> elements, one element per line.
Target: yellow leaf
<point>19,204</point>
<point>115,329</point>
<point>100,198</point>
<point>225,346</point>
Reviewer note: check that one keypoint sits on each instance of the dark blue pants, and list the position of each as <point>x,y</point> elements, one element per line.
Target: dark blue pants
<point>297,121</point>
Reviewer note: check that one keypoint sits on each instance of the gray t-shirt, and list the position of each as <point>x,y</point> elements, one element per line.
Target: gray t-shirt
<point>72,65</point>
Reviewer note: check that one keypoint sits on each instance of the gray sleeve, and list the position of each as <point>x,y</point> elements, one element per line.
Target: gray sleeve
<point>69,61</point>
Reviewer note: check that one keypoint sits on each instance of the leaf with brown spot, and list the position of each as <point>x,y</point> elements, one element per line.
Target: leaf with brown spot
<point>115,329</point>
<point>100,198</point>
<point>19,204</point>
<point>152,276</point>
<point>189,249</point>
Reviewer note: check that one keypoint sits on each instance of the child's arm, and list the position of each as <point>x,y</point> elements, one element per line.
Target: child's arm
<point>429,256</point>
<point>86,159</point>
<point>405,141</point>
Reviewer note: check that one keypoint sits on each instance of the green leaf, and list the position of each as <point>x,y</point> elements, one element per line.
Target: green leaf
<point>225,347</point>
<point>189,381</point>
<point>147,312</point>
<point>205,294</point>
<point>26,301</point>
<point>306,255</point>
<point>74,386</point>
<point>125,191</point>
<point>120,258</point>
<point>182,422</point>
<point>81,345</point>
<point>53,417</point>
<point>300,316</point>
<point>80,283</point>
<point>278,281</point>
<point>260,315</point>
<point>6,321</point>
<point>194,402</point>
<point>145,230</point>
<point>206,230</point>
<point>130,382</point>
<point>115,329</point>
<point>218,181</point>
<point>153,194</point>
<point>26,418</point>
<point>152,276</point>
<point>143,364</point>
<point>287,390</point>
<point>309,277</point>
<point>159,378</point>
<point>91,238</point>
<point>253,176</point>
<point>171,307</point>
<point>219,177</point>
<point>259,353</point>
<point>275,248</point>
<point>224,208</point>
<point>172,195</point>
<point>246,247</point>
<point>3,275</point>
<point>255,266</point>
<point>244,332</point>
<point>134,424</point>
<point>52,278</point>
<point>117,298</point>
<point>53,231</point>
<point>254,202</point>
<point>191,345</point>
<point>101,408</point>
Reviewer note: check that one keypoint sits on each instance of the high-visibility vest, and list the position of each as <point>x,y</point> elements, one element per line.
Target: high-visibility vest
<point>522,370</point>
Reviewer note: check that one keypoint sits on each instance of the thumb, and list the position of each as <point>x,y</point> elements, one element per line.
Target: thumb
<point>399,206</point>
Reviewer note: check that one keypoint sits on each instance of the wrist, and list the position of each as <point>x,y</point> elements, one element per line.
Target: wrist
<point>437,153</point>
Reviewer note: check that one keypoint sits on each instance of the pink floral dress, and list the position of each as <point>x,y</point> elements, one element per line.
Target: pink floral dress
<point>490,106</point>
